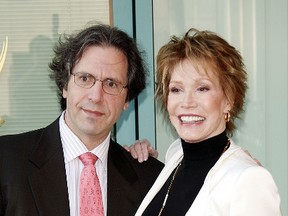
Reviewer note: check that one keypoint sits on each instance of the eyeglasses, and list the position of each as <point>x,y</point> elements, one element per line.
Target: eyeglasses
<point>109,86</point>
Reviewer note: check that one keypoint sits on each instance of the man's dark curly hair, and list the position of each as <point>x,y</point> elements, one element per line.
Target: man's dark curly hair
<point>70,49</point>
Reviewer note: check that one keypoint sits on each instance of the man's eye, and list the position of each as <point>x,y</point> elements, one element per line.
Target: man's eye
<point>84,78</point>
<point>111,83</point>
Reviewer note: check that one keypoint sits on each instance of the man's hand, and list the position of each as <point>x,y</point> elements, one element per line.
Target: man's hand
<point>141,150</point>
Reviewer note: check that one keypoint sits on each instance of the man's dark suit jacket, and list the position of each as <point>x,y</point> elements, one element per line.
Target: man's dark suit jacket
<point>33,176</point>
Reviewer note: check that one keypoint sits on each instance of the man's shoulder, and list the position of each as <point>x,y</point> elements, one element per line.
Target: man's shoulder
<point>10,140</point>
<point>122,166</point>
<point>125,157</point>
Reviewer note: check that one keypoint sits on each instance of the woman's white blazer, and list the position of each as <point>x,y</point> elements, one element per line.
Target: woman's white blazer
<point>235,186</point>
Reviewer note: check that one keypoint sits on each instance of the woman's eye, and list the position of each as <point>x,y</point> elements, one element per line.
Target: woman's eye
<point>203,88</point>
<point>174,90</point>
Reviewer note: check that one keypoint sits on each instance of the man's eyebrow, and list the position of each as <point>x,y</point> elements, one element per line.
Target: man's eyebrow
<point>114,80</point>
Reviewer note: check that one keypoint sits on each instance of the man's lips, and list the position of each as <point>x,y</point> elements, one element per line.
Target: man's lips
<point>93,112</point>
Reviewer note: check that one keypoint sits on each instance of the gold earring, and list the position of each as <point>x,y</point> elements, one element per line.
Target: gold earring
<point>227,116</point>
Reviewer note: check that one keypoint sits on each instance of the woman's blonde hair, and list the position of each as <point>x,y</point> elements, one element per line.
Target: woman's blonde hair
<point>210,51</point>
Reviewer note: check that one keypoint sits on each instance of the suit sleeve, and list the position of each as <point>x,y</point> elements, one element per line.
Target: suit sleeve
<point>255,194</point>
<point>1,205</point>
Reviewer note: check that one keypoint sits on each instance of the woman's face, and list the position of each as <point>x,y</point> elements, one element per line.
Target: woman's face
<point>196,103</point>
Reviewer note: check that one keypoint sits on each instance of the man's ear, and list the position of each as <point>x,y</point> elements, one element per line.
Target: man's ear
<point>64,93</point>
<point>126,105</point>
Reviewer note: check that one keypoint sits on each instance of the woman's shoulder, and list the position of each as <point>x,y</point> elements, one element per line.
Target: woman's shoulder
<point>236,156</point>
<point>235,163</point>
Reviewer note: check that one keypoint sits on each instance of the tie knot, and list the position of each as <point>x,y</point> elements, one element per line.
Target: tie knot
<point>88,158</point>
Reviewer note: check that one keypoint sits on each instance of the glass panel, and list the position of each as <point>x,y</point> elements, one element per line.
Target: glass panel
<point>28,97</point>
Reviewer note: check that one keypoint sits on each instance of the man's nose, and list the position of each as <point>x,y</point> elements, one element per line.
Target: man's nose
<point>96,92</point>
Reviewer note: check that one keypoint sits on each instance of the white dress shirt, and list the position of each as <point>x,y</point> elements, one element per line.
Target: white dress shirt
<point>73,148</point>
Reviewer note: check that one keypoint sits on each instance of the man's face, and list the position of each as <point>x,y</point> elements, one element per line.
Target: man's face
<point>91,113</point>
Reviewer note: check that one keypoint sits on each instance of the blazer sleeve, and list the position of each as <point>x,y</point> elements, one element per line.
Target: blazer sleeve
<point>255,194</point>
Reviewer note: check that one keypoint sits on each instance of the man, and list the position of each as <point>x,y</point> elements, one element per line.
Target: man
<point>98,71</point>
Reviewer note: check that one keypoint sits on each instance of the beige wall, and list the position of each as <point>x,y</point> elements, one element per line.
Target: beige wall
<point>28,97</point>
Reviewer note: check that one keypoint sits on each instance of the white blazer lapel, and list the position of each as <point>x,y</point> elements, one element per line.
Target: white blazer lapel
<point>174,156</point>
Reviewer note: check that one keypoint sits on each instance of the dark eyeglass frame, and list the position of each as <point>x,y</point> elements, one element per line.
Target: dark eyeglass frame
<point>118,89</point>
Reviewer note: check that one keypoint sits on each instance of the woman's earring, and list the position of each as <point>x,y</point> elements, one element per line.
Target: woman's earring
<point>227,116</point>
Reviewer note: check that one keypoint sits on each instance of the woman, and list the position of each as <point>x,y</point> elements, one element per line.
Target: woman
<point>202,83</point>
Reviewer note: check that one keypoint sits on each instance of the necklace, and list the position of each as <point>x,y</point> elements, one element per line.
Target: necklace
<point>226,146</point>
<point>173,178</point>
<point>169,188</point>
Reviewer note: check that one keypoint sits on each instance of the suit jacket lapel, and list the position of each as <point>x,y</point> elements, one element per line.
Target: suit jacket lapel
<point>48,183</point>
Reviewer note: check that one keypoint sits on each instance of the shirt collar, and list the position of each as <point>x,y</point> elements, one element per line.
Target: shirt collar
<point>73,147</point>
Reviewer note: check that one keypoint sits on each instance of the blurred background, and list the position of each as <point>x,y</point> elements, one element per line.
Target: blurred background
<point>257,28</point>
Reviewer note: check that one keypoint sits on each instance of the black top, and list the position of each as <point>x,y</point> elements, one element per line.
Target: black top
<point>198,159</point>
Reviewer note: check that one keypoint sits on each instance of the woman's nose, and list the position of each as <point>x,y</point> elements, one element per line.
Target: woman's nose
<point>189,100</point>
